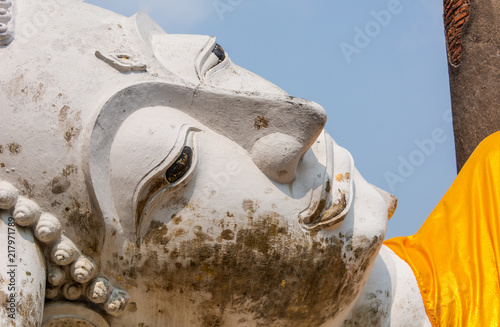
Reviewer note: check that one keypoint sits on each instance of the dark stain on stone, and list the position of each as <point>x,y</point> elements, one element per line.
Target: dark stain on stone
<point>249,206</point>
<point>282,172</point>
<point>157,233</point>
<point>174,254</point>
<point>335,209</point>
<point>176,219</point>
<point>1,149</point>
<point>261,122</point>
<point>132,307</point>
<point>212,321</point>
<point>200,235</point>
<point>328,186</point>
<point>315,216</point>
<point>70,123</point>
<point>330,216</point>
<point>61,183</point>
<point>3,302</point>
<point>14,148</point>
<point>40,91</point>
<point>28,189</point>
<point>70,134</point>
<point>151,189</point>
<point>227,235</point>
<point>249,272</point>
<point>63,114</point>
<point>87,226</point>
<point>2,165</point>
<point>157,185</point>
<point>69,170</point>
<point>179,232</point>
<point>373,312</point>
<point>25,308</point>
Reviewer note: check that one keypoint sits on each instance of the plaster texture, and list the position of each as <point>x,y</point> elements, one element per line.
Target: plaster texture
<point>159,184</point>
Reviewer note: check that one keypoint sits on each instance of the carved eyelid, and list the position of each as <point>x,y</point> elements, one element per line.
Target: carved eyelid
<point>208,60</point>
<point>154,186</point>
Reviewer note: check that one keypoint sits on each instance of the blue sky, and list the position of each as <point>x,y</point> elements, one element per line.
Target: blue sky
<point>378,68</point>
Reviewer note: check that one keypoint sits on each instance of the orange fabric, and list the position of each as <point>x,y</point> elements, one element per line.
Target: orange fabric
<point>455,255</point>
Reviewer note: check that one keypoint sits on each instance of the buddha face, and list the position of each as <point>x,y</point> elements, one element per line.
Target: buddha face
<point>211,236</point>
<point>221,200</point>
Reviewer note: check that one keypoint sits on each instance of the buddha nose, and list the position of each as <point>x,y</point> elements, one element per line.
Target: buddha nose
<point>278,153</point>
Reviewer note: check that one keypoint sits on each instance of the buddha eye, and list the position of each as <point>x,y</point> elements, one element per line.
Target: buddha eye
<point>180,166</point>
<point>211,57</point>
<point>167,179</point>
<point>219,52</point>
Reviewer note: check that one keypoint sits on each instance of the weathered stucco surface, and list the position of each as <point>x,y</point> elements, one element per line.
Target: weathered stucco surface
<point>160,184</point>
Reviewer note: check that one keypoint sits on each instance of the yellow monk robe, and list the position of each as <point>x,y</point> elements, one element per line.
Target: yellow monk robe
<point>455,255</point>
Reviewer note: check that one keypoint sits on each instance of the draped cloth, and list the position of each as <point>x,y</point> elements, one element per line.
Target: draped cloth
<point>455,255</point>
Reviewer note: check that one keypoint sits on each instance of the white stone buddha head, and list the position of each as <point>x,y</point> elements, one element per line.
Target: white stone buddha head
<point>206,193</point>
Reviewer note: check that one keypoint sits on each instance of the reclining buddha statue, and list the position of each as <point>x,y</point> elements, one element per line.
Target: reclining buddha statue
<point>147,180</point>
